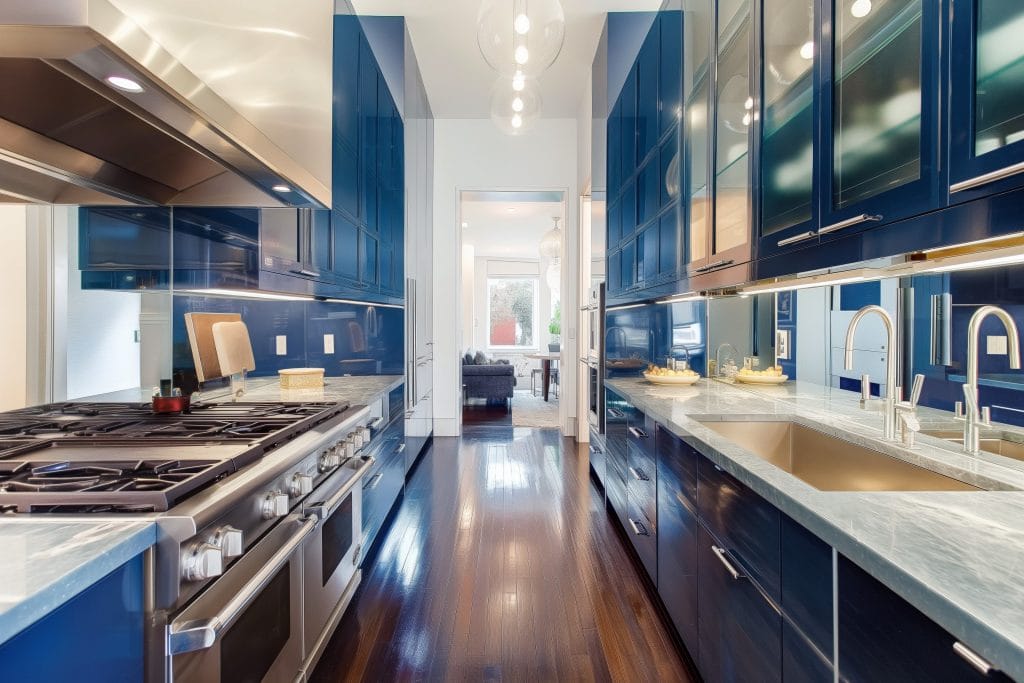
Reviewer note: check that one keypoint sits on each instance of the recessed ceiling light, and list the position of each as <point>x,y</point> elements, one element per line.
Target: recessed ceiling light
<point>511,209</point>
<point>281,188</point>
<point>124,83</point>
<point>465,224</point>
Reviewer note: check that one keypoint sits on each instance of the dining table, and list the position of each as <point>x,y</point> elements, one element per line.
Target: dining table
<point>546,359</point>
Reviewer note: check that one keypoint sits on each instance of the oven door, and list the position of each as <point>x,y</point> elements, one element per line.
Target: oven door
<point>594,346</point>
<point>331,556</point>
<point>247,625</point>
<point>595,393</point>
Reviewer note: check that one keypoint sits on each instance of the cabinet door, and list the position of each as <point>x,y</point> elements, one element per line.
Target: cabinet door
<point>882,637</point>
<point>346,79</point>
<point>669,228</point>
<point>279,239</point>
<point>628,126</point>
<point>628,277</point>
<point>614,146</point>
<point>614,272</point>
<point>614,224</point>
<point>647,93</point>
<point>321,246</point>
<point>647,255</point>
<point>734,121</point>
<point>807,595</point>
<point>368,270</point>
<point>670,70</point>
<point>987,117</point>
<point>787,154</point>
<point>739,630</point>
<point>345,179</point>
<point>346,247</point>
<point>677,534</point>
<point>697,138</point>
<point>880,86</point>
<point>649,191</point>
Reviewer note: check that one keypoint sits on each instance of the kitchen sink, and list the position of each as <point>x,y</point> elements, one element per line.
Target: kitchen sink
<point>831,464</point>
<point>990,444</point>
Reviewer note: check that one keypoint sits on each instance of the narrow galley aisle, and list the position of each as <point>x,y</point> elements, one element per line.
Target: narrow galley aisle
<point>501,564</point>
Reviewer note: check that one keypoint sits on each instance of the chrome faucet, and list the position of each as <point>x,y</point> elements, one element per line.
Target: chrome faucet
<point>718,357</point>
<point>975,416</point>
<point>891,397</point>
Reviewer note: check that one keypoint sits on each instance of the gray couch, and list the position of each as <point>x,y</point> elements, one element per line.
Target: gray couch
<point>493,381</point>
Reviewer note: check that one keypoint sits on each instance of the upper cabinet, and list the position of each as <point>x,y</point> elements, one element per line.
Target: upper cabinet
<point>987,117</point>
<point>697,78</point>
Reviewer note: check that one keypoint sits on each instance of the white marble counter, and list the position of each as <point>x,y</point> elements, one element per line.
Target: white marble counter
<point>356,389</point>
<point>956,556</point>
<point>46,562</point>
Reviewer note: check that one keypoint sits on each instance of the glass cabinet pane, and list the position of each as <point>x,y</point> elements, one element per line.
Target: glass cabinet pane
<point>876,98</point>
<point>734,111</point>
<point>999,75</point>
<point>696,91</point>
<point>787,129</point>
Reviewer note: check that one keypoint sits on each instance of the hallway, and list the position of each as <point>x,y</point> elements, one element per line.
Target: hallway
<point>501,564</point>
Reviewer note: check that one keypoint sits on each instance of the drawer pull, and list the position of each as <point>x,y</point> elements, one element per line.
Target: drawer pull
<point>714,266</point>
<point>638,528</point>
<point>638,433</point>
<point>374,480</point>
<point>973,658</point>
<point>720,553</point>
<point>595,449</point>
<point>849,223</point>
<point>987,178</point>
<point>810,234</point>
<point>639,475</point>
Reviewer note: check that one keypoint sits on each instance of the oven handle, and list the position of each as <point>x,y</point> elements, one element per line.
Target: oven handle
<point>201,634</point>
<point>324,510</point>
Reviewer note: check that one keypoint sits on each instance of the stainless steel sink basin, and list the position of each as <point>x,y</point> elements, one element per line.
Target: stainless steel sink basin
<point>831,464</point>
<point>1008,449</point>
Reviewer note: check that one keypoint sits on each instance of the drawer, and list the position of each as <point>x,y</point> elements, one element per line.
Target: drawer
<point>677,468</point>
<point>598,460</point>
<point>640,433</point>
<point>380,491</point>
<point>642,533</point>
<point>641,484</point>
<point>747,524</point>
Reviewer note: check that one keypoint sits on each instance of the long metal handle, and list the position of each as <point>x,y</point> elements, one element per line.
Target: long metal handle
<point>201,634</point>
<point>973,658</point>
<point>638,433</point>
<point>327,508</point>
<point>307,272</point>
<point>401,448</point>
<point>614,412</point>
<point>372,483</point>
<point>638,528</point>
<point>714,266</point>
<point>595,449</point>
<point>639,475</point>
<point>986,178</point>
<point>941,329</point>
<point>802,237</point>
<point>849,223</point>
<point>376,422</point>
<point>720,554</point>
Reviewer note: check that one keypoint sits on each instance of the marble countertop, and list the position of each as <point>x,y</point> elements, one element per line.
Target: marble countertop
<point>354,389</point>
<point>956,556</point>
<point>46,562</point>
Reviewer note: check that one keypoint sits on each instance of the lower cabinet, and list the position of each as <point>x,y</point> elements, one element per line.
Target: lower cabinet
<point>677,534</point>
<point>384,483</point>
<point>740,629</point>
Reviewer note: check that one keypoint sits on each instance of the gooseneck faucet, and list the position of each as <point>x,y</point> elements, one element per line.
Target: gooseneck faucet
<point>975,416</point>
<point>891,398</point>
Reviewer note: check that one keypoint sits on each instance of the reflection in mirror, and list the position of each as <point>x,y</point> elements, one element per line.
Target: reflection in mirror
<point>636,336</point>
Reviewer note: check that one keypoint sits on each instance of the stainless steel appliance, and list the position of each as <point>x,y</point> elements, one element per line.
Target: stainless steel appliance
<point>259,509</point>
<point>595,358</point>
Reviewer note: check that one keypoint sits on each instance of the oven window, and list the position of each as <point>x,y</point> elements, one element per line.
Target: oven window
<point>257,638</point>
<point>337,538</point>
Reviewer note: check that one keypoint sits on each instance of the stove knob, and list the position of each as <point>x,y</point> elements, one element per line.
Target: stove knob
<point>366,434</point>
<point>355,439</point>
<point>328,460</point>
<point>275,504</point>
<point>229,540</point>
<point>301,484</point>
<point>202,562</point>
<point>349,448</point>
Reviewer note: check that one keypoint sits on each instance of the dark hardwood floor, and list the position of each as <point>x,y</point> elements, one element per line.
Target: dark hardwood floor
<point>501,564</point>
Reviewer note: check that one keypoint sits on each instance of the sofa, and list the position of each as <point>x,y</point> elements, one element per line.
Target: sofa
<point>488,379</point>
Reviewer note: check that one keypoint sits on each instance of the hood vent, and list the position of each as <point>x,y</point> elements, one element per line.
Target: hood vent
<point>68,136</point>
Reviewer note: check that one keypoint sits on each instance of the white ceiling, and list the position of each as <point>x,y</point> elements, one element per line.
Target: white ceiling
<point>457,79</point>
<point>494,231</point>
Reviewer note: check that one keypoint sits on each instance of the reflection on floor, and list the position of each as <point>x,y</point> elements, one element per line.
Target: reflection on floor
<point>501,564</point>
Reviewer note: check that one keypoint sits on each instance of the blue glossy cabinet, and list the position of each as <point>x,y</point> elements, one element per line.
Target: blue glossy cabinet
<point>987,103</point>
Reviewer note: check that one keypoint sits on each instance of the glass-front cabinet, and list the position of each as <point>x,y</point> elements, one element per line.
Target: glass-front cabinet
<point>987,98</point>
<point>697,74</point>
<point>788,56</point>
<point>880,82</point>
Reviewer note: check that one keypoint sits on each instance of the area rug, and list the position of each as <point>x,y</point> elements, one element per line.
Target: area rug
<point>532,411</point>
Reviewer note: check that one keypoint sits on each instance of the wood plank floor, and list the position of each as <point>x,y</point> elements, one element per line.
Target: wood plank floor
<point>502,564</point>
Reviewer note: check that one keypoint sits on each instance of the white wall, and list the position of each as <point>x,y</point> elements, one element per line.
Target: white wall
<point>13,279</point>
<point>471,154</point>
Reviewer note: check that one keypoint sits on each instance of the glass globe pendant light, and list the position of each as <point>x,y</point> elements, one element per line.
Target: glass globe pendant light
<point>514,111</point>
<point>551,243</point>
<point>520,39</point>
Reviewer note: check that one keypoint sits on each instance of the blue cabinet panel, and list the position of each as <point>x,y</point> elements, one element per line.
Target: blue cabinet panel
<point>614,223</point>
<point>670,70</point>
<point>629,209</point>
<point>346,247</point>
<point>628,264</point>
<point>806,594</point>
<point>614,149</point>
<point>628,125</point>
<point>648,195</point>
<point>369,75</point>
<point>345,181</point>
<point>346,80</point>
<point>669,229</point>
<point>647,94</point>
<point>677,533</point>
<point>97,636</point>
<point>368,272</point>
<point>647,254</point>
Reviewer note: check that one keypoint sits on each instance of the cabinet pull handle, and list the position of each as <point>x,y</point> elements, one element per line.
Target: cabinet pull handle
<point>797,238</point>
<point>849,223</point>
<point>638,528</point>
<point>374,480</point>
<point>713,266</point>
<point>639,475</point>
<point>637,432</point>
<point>615,413</point>
<point>973,658</point>
<point>595,449</point>
<point>733,572</point>
<point>986,178</point>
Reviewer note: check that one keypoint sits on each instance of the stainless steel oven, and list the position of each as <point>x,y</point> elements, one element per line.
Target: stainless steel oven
<point>595,393</point>
<point>331,556</point>
<point>595,328</point>
<point>247,626</point>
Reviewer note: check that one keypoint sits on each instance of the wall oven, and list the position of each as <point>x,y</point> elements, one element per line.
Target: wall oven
<point>248,625</point>
<point>595,358</point>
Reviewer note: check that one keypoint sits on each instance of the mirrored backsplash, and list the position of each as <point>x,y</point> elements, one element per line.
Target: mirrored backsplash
<point>636,336</point>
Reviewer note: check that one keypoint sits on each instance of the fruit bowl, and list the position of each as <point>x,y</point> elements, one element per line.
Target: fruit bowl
<point>761,379</point>
<point>672,379</point>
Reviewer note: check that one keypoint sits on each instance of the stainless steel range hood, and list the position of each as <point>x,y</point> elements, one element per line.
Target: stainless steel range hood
<point>67,136</point>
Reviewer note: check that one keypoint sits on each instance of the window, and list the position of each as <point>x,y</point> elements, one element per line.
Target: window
<point>512,312</point>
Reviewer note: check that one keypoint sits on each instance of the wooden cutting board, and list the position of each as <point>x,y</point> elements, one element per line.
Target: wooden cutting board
<point>234,350</point>
<point>200,338</point>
